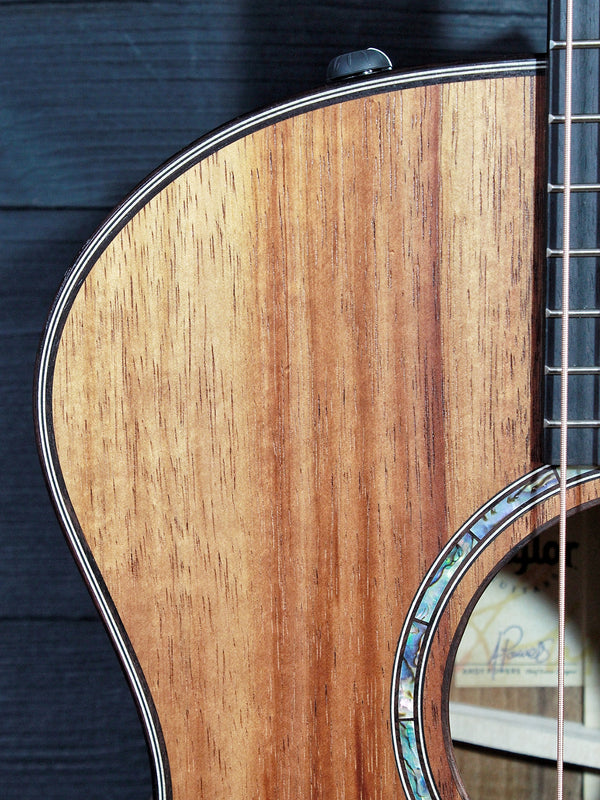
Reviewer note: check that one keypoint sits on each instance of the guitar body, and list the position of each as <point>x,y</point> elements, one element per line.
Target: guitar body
<point>274,388</point>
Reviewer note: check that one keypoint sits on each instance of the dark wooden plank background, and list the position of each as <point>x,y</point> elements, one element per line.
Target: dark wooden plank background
<point>94,95</point>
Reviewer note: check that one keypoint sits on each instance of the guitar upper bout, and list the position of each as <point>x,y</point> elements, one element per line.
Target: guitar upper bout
<point>271,390</point>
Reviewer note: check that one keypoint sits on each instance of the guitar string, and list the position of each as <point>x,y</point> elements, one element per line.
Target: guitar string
<point>560,724</point>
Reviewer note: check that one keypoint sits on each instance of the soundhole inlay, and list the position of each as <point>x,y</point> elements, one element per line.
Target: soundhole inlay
<point>429,603</point>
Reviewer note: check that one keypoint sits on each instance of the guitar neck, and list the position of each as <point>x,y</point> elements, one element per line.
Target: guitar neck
<point>584,283</point>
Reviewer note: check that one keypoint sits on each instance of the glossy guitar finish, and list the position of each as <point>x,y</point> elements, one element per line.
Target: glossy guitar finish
<point>273,388</point>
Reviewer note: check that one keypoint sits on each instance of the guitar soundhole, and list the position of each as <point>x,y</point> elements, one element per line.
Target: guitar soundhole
<point>505,667</point>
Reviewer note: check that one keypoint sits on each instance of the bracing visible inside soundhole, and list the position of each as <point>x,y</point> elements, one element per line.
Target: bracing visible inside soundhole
<point>503,694</point>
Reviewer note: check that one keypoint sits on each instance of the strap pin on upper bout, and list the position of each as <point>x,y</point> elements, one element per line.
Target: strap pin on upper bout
<point>357,63</point>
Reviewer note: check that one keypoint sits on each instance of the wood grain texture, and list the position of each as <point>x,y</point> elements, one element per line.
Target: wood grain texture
<point>281,388</point>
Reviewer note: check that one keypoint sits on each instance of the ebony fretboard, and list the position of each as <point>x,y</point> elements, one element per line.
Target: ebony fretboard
<point>584,315</point>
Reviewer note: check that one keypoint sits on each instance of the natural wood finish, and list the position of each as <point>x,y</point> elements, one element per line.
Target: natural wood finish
<point>526,700</point>
<point>281,388</point>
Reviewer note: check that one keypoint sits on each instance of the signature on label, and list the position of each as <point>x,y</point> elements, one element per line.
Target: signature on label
<point>508,647</point>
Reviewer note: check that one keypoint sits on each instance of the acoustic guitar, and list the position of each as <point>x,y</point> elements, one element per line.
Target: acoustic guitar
<point>298,400</point>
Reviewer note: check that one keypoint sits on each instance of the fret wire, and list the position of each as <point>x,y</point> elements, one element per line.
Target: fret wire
<point>578,44</point>
<point>577,313</point>
<point>575,187</point>
<point>573,423</point>
<point>573,253</point>
<point>558,118</point>
<point>573,370</point>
